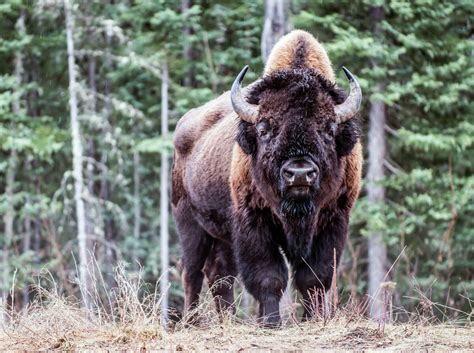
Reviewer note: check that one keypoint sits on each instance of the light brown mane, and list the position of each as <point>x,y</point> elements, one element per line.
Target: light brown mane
<point>299,48</point>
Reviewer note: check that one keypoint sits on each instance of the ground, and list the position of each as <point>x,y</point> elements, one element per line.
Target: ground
<point>128,318</point>
<point>337,334</point>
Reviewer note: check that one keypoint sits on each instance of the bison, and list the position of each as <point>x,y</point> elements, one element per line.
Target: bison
<point>268,172</point>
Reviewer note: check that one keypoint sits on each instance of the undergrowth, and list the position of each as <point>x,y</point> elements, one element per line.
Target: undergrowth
<point>128,317</point>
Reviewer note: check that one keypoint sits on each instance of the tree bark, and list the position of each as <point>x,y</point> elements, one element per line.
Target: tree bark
<point>164,235</point>
<point>376,196</point>
<point>90,224</point>
<point>275,25</point>
<point>377,251</point>
<point>9,217</point>
<point>84,276</point>
<point>26,248</point>
<point>37,230</point>
<point>187,48</point>
<point>104,183</point>
<point>137,218</point>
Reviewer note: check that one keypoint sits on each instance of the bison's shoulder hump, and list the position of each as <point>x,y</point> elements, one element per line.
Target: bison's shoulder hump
<point>299,49</point>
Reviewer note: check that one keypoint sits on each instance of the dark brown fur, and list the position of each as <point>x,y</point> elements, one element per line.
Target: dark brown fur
<point>230,208</point>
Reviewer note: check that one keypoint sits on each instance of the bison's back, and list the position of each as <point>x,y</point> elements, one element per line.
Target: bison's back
<point>203,143</point>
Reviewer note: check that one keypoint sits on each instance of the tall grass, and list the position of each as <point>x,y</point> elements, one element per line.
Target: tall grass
<point>128,316</point>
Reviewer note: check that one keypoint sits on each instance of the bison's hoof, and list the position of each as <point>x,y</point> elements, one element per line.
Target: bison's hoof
<point>272,321</point>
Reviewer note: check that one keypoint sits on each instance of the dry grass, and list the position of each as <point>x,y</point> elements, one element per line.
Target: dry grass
<point>130,320</point>
<point>62,327</point>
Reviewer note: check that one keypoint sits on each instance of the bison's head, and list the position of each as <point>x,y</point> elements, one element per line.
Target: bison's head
<point>297,126</point>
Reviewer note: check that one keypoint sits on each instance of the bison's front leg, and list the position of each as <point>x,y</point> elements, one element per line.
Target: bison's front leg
<point>260,262</point>
<point>313,276</point>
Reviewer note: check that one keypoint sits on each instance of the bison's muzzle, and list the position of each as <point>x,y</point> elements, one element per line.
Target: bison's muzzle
<point>299,172</point>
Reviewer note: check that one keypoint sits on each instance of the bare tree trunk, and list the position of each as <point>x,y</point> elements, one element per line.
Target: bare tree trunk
<point>137,218</point>
<point>104,183</point>
<point>187,49</point>
<point>275,25</point>
<point>37,240</point>
<point>376,195</point>
<point>9,217</point>
<point>375,191</point>
<point>90,224</point>
<point>26,248</point>
<point>84,277</point>
<point>164,235</point>
<point>34,112</point>
<point>37,230</point>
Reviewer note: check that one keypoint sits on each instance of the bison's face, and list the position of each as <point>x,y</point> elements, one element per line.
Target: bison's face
<point>296,139</point>
<point>295,159</point>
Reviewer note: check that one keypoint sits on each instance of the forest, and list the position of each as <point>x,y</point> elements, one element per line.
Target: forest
<point>91,92</point>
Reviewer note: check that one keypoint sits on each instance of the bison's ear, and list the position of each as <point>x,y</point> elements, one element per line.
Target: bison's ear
<point>247,137</point>
<point>347,135</point>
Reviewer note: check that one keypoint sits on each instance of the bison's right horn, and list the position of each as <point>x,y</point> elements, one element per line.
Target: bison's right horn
<point>244,110</point>
<point>351,105</point>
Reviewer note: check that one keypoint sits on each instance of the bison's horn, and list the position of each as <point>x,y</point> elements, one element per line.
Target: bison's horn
<point>351,105</point>
<point>245,110</point>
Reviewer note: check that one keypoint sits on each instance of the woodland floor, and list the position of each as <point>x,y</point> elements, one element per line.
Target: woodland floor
<point>52,322</point>
<point>335,335</point>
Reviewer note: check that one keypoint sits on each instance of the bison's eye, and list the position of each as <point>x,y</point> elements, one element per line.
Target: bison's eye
<point>263,130</point>
<point>328,137</point>
<point>329,133</point>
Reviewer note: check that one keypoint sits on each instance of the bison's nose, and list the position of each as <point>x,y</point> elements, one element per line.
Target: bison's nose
<point>299,173</point>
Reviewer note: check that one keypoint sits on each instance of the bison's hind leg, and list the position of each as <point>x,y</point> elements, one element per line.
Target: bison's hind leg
<point>220,270</point>
<point>196,245</point>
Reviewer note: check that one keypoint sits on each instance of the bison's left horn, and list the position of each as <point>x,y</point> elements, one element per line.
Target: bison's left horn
<point>351,105</point>
<point>245,110</point>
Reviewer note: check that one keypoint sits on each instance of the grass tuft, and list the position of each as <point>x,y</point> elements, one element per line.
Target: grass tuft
<point>129,319</point>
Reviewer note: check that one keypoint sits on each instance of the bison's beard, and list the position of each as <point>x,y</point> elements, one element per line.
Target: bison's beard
<point>297,208</point>
<point>298,224</point>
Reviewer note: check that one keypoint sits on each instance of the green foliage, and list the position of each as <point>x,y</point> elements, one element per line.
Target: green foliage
<point>154,145</point>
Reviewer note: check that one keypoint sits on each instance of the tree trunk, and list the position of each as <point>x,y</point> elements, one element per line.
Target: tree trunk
<point>376,195</point>
<point>164,236</point>
<point>187,49</point>
<point>37,230</point>
<point>275,25</point>
<point>9,217</point>
<point>137,218</point>
<point>104,183</point>
<point>377,251</point>
<point>92,215</point>
<point>26,248</point>
<point>84,277</point>
<point>35,112</point>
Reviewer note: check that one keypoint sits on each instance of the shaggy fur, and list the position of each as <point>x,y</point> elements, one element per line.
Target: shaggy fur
<point>299,48</point>
<point>233,211</point>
